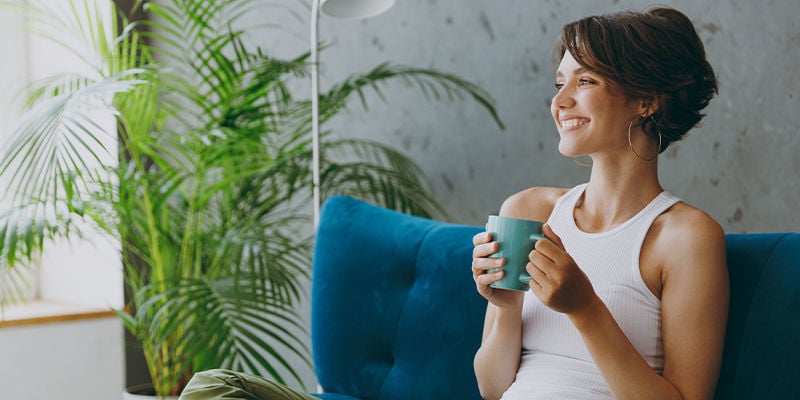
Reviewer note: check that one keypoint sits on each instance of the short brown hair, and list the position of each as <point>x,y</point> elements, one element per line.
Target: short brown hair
<point>652,55</point>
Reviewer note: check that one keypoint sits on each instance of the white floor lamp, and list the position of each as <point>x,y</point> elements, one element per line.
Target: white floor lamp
<point>351,9</point>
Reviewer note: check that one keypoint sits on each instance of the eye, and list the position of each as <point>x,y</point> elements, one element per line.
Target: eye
<point>586,81</point>
<point>558,86</point>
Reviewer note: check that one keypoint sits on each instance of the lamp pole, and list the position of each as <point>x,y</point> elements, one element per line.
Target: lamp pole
<point>340,9</point>
<point>315,109</point>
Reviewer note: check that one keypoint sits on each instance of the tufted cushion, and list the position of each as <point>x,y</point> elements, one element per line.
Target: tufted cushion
<point>394,311</point>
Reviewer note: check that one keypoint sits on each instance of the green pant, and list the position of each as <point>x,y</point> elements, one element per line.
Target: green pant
<point>223,384</point>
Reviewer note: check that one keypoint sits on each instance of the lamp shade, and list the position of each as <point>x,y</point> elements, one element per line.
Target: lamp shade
<point>355,8</point>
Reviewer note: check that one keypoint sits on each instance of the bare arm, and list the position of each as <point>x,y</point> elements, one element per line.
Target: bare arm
<point>497,360</point>
<point>695,307</point>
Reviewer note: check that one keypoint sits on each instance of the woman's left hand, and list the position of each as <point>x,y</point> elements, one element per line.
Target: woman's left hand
<point>556,279</point>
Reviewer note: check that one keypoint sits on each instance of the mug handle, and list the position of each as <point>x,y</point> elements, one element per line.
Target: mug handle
<point>524,277</point>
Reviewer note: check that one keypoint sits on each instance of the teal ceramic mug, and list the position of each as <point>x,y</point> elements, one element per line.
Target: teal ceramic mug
<point>516,239</point>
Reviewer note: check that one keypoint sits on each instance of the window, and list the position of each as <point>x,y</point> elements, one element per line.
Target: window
<point>86,272</point>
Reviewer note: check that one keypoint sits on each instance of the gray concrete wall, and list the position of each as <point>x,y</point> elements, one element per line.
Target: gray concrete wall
<point>741,166</point>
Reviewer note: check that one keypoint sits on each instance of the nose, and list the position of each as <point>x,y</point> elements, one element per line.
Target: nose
<point>563,98</point>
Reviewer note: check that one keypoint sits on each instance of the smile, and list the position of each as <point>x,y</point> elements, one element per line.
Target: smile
<point>571,123</point>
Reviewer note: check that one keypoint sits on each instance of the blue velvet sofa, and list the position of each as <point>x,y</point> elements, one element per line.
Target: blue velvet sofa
<point>395,314</point>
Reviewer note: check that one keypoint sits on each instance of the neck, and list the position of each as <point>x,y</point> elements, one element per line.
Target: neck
<point>618,189</point>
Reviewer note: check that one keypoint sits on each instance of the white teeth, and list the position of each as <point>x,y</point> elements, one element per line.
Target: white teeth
<point>571,123</point>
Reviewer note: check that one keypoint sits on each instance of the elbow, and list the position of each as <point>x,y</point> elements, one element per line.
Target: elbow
<point>487,387</point>
<point>488,394</point>
<point>492,380</point>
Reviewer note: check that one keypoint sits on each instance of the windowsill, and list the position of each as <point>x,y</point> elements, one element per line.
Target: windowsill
<point>38,312</point>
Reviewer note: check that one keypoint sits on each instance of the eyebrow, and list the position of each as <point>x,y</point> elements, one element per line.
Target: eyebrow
<point>577,71</point>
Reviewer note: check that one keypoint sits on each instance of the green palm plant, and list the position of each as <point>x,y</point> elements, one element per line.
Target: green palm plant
<point>208,192</point>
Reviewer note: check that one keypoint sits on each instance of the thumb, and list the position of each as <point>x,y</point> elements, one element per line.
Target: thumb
<point>550,234</point>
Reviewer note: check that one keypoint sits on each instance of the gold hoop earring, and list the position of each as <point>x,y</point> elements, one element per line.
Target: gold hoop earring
<point>630,143</point>
<point>581,163</point>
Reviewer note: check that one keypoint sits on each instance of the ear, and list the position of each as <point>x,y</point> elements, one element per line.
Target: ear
<point>648,106</point>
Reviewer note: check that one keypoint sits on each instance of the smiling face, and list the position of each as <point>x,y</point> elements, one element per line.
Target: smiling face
<point>591,114</point>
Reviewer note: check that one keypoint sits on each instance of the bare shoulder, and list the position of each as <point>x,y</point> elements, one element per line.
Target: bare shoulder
<point>688,236</point>
<point>685,223</point>
<point>535,203</point>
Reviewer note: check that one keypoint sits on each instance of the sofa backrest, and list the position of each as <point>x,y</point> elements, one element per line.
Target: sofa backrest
<point>395,314</point>
<point>762,342</point>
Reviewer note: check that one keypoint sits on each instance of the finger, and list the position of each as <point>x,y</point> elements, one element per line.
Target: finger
<point>485,249</point>
<point>538,277</point>
<point>549,249</point>
<point>481,265</point>
<point>541,262</point>
<point>550,234</point>
<point>484,280</point>
<point>481,238</point>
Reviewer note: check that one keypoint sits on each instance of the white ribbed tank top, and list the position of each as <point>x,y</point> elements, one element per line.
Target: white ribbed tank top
<point>555,362</point>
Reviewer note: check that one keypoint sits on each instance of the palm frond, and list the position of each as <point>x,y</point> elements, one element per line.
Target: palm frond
<point>61,135</point>
<point>378,173</point>
<point>14,283</point>
<point>434,85</point>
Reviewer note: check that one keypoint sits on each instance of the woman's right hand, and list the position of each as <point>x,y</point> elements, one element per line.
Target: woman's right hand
<point>481,263</point>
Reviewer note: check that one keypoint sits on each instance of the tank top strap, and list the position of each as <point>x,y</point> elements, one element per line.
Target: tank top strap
<point>661,203</point>
<point>657,206</point>
<point>563,210</point>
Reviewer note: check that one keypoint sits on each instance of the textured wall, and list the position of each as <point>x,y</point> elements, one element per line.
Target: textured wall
<point>741,166</point>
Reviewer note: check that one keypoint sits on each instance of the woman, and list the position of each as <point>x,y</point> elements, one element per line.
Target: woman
<point>629,295</point>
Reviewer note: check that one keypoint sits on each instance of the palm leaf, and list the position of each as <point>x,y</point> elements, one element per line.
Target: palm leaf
<point>14,283</point>
<point>434,85</point>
